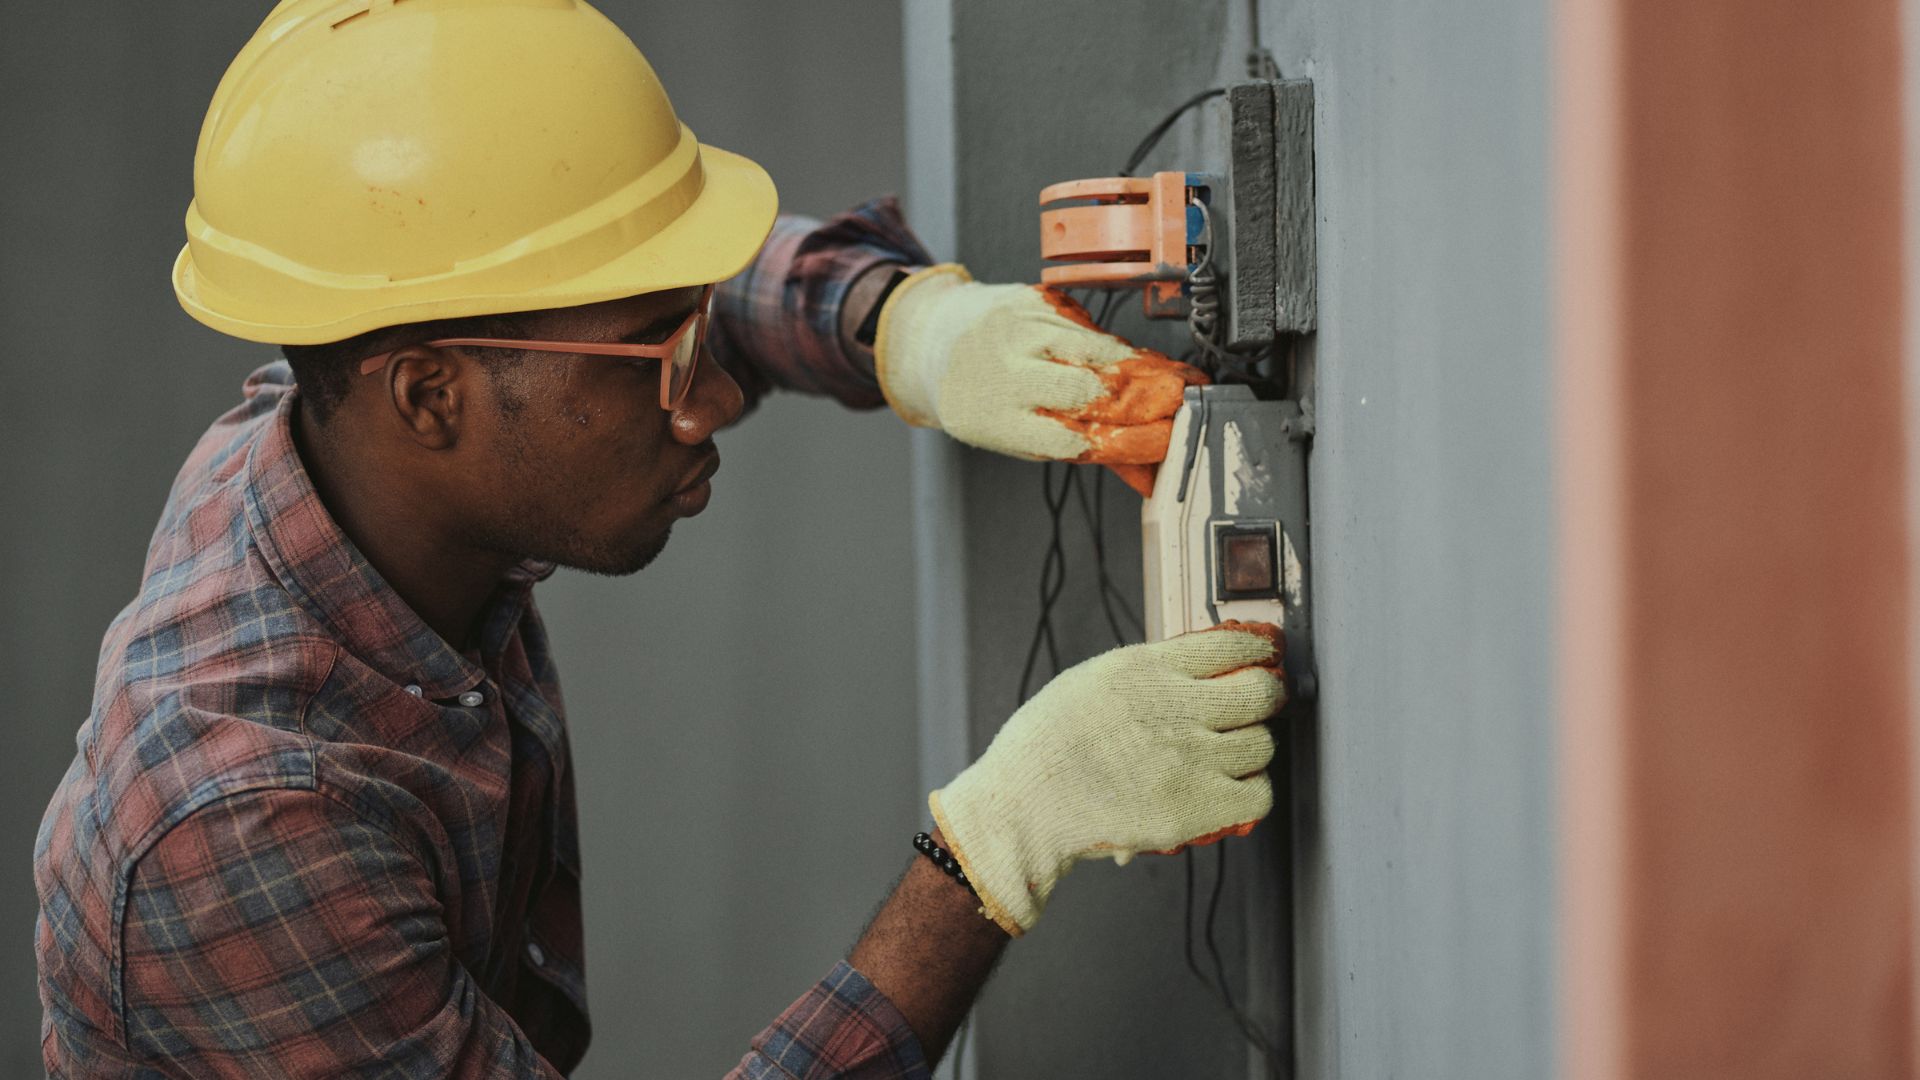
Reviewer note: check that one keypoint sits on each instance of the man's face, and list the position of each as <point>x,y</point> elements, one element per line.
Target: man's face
<point>575,461</point>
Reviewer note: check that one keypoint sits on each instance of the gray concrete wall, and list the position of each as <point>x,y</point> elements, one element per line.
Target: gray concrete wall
<point>742,711</point>
<point>1426,940</point>
<point>1426,866</point>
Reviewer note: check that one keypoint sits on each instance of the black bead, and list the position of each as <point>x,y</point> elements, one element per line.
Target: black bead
<point>944,859</point>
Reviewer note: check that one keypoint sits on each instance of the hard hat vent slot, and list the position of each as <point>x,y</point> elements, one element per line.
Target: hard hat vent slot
<point>362,9</point>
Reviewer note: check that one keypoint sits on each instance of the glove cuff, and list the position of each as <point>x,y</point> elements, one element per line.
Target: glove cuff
<point>907,381</point>
<point>1004,893</point>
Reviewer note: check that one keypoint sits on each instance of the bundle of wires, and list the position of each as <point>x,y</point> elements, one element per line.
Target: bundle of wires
<point>1065,485</point>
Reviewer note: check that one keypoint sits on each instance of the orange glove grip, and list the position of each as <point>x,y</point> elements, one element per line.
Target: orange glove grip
<point>1128,428</point>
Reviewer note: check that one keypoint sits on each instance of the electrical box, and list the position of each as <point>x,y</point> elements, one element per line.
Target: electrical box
<point>1224,535</point>
<point>1225,532</point>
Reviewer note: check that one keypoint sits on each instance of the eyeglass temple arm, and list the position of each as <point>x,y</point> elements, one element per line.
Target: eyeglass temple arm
<point>585,348</point>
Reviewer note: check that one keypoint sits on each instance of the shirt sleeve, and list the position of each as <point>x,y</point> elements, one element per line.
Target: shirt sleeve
<point>842,1029</point>
<point>778,323</point>
<point>275,933</point>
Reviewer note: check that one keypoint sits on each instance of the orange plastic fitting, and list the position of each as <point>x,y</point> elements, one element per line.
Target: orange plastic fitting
<point>1123,232</point>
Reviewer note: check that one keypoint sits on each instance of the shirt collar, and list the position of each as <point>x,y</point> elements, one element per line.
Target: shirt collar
<point>329,577</point>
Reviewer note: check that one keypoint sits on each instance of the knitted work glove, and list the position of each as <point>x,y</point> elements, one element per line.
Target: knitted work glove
<point>1023,370</point>
<point>1145,748</point>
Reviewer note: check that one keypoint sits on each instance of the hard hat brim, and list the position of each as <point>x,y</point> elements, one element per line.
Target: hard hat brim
<point>714,239</point>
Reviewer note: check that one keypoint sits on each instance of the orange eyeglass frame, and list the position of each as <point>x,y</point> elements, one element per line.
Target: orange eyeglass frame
<point>679,355</point>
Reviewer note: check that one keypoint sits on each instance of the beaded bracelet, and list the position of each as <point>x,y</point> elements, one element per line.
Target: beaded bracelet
<point>942,858</point>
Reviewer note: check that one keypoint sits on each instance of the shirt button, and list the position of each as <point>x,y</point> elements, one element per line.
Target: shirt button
<point>473,699</point>
<point>536,954</point>
<point>413,689</point>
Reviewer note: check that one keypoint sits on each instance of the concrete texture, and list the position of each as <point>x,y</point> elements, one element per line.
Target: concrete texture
<point>1296,224</point>
<point>742,711</point>
<point>1427,888</point>
<point>1247,215</point>
<point>1425,874</point>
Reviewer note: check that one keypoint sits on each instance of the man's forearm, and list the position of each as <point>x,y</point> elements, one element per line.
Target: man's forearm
<point>929,950</point>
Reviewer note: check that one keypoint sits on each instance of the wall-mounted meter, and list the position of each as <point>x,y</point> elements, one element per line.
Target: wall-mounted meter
<point>1224,534</point>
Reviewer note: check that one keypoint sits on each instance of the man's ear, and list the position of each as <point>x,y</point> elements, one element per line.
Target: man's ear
<point>428,391</point>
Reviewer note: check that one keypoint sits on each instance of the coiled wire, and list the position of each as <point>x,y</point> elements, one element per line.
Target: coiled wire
<point>1203,315</point>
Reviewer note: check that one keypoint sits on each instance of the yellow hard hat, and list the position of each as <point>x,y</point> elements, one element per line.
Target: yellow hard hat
<point>367,163</point>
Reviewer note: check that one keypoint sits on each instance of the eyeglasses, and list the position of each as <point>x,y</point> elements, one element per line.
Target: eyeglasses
<point>679,355</point>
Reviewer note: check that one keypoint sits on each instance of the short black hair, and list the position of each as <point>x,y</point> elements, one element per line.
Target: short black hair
<point>325,372</point>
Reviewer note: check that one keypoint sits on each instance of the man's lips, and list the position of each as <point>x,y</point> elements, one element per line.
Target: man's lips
<point>702,474</point>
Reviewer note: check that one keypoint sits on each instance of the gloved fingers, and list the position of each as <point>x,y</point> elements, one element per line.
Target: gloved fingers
<point>1267,630</point>
<point>1118,444</point>
<point>1244,800</point>
<point>1042,385</point>
<point>1146,386</point>
<point>1078,339</point>
<point>1138,477</point>
<point>1213,837</point>
<point>1131,423</point>
<point>1239,698</point>
<point>1029,435</point>
<point>1088,348</point>
<point>1215,651</point>
<point>1241,752</point>
<point>1241,803</point>
<point>1066,307</point>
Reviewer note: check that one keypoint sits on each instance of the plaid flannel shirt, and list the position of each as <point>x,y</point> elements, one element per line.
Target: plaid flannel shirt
<point>305,836</point>
<point>777,324</point>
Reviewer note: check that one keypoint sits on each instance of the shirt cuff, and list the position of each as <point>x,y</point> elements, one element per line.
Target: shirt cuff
<point>843,1028</point>
<point>778,323</point>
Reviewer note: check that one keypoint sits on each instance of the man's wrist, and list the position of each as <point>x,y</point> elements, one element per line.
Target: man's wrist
<point>860,309</point>
<point>928,950</point>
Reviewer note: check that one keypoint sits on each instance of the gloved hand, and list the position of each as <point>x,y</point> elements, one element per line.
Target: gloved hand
<point>1144,748</point>
<point>1023,370</point>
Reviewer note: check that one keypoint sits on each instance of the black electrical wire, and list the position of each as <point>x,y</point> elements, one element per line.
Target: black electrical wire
<point>1053,576</point>
<point>1186,860</point>
<point>1213,912</point>
<point>1219,985</point>
<point>1110,594</point>
<point>1092,510</point>
<point>1113,601</point>
<point>1053,566</point>
<point>1160,129</point>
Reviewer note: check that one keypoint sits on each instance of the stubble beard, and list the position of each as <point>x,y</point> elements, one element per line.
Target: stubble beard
<point>531,531</point>
<point>567,546</point>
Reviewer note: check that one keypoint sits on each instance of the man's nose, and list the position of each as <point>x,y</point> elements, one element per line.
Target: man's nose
<point>712,402</point>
